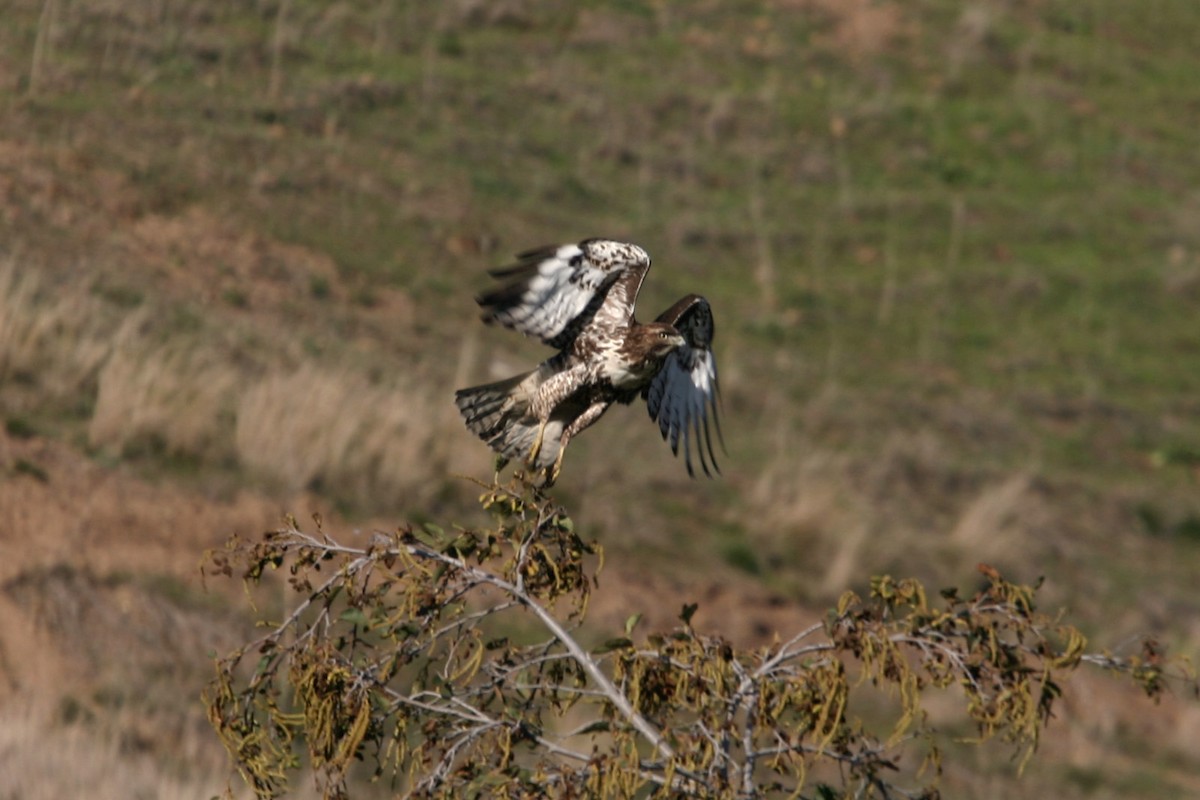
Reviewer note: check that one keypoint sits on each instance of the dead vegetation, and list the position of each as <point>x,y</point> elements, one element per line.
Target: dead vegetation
<point>33,750</point>
<point>104,627</point>
<point>148,388</point>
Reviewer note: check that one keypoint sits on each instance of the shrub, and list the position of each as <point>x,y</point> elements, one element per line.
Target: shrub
<point>453,662</point>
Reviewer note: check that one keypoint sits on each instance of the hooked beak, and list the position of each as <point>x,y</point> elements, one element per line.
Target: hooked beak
<point>671,343</point>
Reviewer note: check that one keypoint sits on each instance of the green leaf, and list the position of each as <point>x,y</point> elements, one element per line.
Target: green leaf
<point>462,546</point>
<point>354,616</point>
<point>619,643</point>
<point>632,622</point>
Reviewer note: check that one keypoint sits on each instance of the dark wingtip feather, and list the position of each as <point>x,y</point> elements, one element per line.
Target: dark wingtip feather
<point>503,297</point>
<point>700,442</point>
<point>687,453</point>
<point>708,441</point>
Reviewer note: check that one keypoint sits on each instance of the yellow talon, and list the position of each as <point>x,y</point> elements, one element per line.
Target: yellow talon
<point>537,445</point>
<point>553,471</point>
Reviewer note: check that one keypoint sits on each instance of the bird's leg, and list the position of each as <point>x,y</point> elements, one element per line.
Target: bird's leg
<point>553,470</point>
<point>593,413</point>
<point>550,393</point>
<point>536,450</point>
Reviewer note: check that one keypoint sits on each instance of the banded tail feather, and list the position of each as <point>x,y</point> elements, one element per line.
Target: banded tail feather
<point>498,414</point>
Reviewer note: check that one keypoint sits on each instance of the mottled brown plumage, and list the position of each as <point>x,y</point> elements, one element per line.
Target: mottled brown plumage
<point>580,300</point>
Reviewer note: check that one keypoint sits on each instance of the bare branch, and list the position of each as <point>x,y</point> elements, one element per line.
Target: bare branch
<point>407,648</point>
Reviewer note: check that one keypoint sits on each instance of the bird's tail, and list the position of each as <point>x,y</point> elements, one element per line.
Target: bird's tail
<point>498,414</point>
<point>487,408</point>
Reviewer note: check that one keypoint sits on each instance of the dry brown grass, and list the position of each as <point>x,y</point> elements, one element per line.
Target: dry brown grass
<point>174,394</point>
<point>333,430</point>
<point>105,628</point>
<point>989,527</point>
<point>811,502</point>
<point>53,339</point>
<point>61,344</point>
<point>41,759</point>
<point>151,388</point>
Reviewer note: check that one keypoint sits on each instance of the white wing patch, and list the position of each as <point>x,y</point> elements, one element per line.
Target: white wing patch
<point>680,399</point>
<point>555,291</point>
<point>579,298</point>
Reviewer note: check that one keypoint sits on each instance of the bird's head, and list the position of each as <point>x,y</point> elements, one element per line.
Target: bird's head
<point>660,339</point>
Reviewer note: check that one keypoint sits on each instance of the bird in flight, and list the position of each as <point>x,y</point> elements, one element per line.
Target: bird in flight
<point>579,299</point>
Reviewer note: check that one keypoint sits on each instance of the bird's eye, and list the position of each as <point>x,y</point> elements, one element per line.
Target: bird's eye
<point>662,335</point>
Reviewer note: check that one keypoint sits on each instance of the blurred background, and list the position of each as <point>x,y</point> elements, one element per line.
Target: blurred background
<point>953,249</point>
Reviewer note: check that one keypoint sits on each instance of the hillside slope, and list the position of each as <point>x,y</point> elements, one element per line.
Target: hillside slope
<point>954,252</point>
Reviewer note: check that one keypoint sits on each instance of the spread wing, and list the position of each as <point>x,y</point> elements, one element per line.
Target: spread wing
<point>553,293</point>
<point>684,393</point>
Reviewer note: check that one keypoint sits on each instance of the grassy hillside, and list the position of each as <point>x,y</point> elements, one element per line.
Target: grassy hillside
<point>954,251</point>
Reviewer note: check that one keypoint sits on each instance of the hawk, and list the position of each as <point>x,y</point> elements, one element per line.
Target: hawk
<point>579,299</point>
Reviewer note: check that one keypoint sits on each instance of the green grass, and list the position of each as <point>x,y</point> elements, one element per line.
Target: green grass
<point>977,207</point>
<point>1064,135</point>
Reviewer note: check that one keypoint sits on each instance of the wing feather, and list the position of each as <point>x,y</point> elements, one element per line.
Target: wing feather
<point>552,293</point>
<point>685,392</point>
